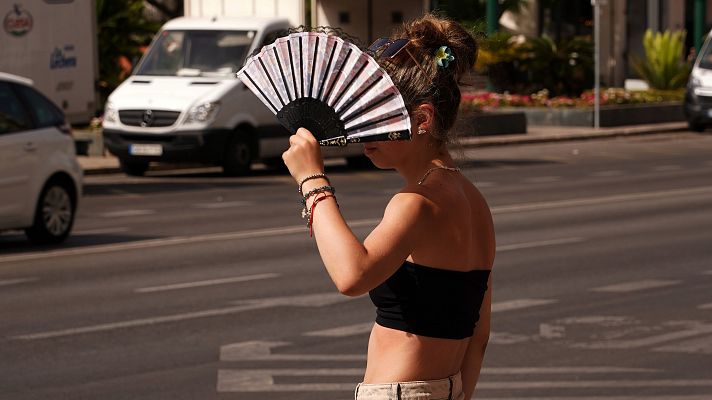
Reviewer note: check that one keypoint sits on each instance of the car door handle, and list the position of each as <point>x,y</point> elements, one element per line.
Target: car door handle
<point>30,147</point>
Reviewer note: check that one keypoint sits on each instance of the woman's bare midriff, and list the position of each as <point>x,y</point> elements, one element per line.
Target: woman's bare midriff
<point>397,356</point>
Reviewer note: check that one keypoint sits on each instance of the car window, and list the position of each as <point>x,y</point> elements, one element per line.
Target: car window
<point>13,117</point>
<point>44,111</point>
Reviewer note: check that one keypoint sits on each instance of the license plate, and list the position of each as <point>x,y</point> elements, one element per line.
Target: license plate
<point>146,150</point>
<point>709,113</point>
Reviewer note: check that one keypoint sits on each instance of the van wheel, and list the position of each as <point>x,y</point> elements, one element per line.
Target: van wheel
<point>54,213</point>
<point>238,155</point>
<point>696,126</point>
<point>133,168</point>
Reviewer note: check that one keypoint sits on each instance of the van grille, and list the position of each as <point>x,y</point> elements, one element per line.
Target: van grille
<point>705,100</point>
<point>148,118</point>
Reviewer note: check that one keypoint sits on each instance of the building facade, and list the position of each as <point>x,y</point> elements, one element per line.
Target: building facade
<point>623,24</point>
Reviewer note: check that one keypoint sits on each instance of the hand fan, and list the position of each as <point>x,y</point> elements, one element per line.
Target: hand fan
<point>329,86</point>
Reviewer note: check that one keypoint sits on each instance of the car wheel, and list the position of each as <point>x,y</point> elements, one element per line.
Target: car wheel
<point>54,213</point>
<point>133,168</point>
<point>238,155</point>
<point>696,126</point>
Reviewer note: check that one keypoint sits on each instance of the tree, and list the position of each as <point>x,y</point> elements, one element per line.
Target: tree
<point>122,29</point>
<point>471,13</point>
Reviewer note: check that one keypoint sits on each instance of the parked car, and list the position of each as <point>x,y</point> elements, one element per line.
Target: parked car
<point>698,97</point>
<point>40,178</point>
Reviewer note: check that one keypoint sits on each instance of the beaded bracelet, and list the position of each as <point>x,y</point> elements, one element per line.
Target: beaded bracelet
<point>310,177</point>
<point>320,189</point>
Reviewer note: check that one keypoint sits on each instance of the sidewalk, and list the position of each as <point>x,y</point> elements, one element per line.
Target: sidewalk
<point>94,165</point>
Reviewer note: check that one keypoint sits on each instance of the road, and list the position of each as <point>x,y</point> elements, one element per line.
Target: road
<point>189,285</point>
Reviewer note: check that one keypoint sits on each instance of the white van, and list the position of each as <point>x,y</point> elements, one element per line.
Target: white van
<point>184,104</point>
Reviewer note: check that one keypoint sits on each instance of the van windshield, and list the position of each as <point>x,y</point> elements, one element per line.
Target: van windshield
<point>706,56</point>
<point>196,53</point>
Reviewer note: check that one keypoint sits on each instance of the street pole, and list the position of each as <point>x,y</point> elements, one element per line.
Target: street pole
<point>698,24</point>
<point>597,62</point>
<point>492,23</point>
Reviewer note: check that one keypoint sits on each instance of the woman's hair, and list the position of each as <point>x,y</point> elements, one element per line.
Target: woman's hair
<point>434,84</point>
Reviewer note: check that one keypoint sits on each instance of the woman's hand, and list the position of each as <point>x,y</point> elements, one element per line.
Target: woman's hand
<point>303,158</point>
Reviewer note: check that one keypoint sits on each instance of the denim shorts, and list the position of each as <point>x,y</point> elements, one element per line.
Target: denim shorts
<point>449,388</point>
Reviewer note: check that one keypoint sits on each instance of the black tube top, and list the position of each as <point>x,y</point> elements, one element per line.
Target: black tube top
<point>430,301</point>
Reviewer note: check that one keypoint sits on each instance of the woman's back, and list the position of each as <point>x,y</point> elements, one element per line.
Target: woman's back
<point>458,236</point>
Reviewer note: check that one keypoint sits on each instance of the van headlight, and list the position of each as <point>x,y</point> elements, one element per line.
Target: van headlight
<point>111,114</point>
<point>695,82</point>
<point>203,112</point>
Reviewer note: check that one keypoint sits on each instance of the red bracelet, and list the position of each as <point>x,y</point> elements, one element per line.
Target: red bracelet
<point>311,211</point>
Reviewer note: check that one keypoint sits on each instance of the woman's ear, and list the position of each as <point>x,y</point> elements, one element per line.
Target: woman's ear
<point>425,116</point>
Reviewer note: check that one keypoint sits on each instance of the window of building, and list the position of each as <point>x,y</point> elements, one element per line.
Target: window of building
<point>344,17</point>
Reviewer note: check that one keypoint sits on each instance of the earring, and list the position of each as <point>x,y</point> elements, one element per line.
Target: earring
<point>421,131</point>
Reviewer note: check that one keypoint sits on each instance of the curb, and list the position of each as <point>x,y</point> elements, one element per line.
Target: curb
<point>506,140</point>
<point>604,133</point>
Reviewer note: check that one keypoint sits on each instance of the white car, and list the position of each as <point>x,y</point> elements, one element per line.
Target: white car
<point>40,178</point>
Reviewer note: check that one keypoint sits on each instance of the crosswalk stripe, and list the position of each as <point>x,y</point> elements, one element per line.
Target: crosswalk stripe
<point>701,345</point>
<point>210,282</point>
<point>519,304</point>
<point>636,286</point>
<point>9,282</point>
<point>343,331</point>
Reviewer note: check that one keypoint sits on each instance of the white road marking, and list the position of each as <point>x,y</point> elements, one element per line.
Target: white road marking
<point>707,306</point>
<point>607,173</point>
<point>539,243</point>
<point>707,272</point>
<point>587,201</point>
<point>485,184</point>
<point>701,345</point>
<point>636,286</point>
<point>100,231</point>
<point>647,341</point>
<point>127,213</point>
<point>17,281</point>
<point>582,384</point>
<point>300,229</point>
<point>644,397</point>
<point>543,179</point>
<point>263,381</point>
<point>343,331</point>
<point>312,300</point>
<point>262,351</point>
<point>663,168</point>
<point>222,204</point>
<point>210,282</point>
<point>519,304</point>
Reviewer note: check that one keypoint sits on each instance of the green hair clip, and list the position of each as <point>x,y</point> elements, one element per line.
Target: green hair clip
<point>443,56</point>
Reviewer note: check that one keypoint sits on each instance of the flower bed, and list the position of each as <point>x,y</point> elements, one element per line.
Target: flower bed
<point>611,96</point>
<point>618,107</point>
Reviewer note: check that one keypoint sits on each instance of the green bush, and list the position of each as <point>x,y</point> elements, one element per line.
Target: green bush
<point>664,67</point>
<point>516,64</point>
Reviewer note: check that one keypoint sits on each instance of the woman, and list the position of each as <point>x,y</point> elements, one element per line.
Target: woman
<point>427,264</point>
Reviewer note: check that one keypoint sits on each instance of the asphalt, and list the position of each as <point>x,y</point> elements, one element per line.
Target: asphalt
<point>101,162</point>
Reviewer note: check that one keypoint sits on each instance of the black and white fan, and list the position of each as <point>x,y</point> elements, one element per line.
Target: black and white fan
<point>329,86</point>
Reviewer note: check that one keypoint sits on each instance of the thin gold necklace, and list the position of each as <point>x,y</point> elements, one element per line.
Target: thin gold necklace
<point>454,169</point>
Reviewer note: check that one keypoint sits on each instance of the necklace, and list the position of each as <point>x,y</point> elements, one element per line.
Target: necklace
<point>454,169</point>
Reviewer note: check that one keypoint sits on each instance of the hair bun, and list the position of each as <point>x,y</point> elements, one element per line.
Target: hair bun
<point>430,32</point>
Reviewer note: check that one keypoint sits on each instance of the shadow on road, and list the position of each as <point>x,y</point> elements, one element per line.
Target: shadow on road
<point>16,242</point>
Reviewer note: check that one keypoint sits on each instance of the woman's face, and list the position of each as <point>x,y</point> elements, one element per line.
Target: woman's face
<point>391,154</point>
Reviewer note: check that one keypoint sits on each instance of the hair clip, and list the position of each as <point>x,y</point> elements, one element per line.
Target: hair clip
<point>443,55</point>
